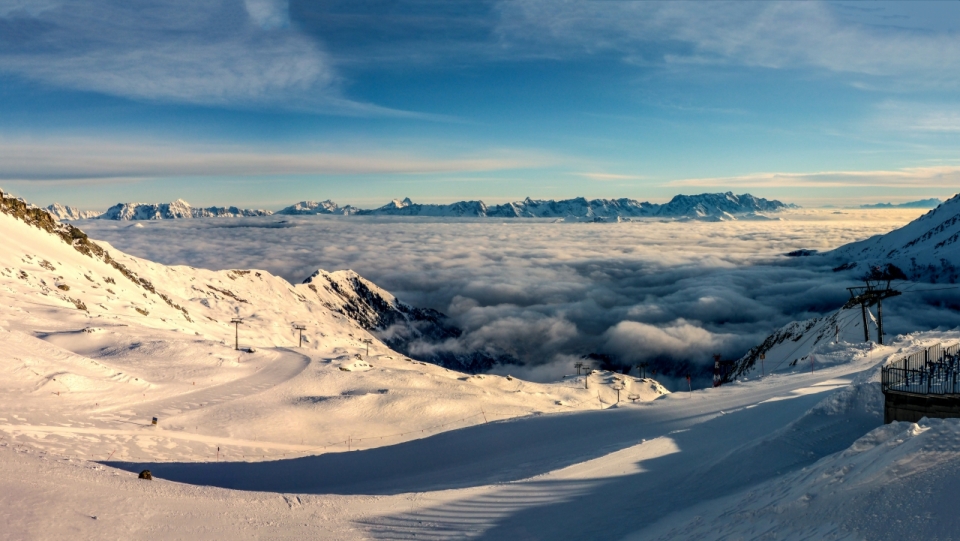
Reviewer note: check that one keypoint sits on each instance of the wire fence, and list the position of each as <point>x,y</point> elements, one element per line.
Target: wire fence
<point>933,371</point>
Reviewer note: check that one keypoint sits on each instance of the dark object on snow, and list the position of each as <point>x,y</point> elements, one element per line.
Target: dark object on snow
<point>845,266</point>
<point>154,421</point>
<point>145,474</point>
<point>885,272</point>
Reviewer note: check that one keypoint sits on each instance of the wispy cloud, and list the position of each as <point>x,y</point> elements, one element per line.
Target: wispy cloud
<point>226,52</point>
<point>609,176</point>
<point>761,34</point>
<point>80,159</point>
<point>945,176</point>
<point>934,118</point>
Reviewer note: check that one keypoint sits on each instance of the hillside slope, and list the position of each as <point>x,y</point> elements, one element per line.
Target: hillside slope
<point>927,248</point>
<point>91,333</point>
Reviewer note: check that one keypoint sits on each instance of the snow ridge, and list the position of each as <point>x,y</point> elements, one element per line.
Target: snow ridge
<point>402,327</point>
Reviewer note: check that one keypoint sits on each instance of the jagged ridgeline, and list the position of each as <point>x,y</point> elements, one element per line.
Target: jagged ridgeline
<point>61,264</point>
<point>73,236</point>
<point>714,207</point>
<point>703,206</point>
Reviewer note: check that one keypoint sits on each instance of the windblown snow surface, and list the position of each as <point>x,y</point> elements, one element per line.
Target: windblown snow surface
<point>326,441</point>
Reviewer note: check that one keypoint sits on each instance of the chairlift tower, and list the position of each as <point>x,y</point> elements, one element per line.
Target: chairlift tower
<point>236,332</point>
<point>300,328</point>
<point>642,369</point>
<point>876,288</point>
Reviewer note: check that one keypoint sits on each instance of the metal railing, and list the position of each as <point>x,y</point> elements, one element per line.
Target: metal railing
<point>933,371</point>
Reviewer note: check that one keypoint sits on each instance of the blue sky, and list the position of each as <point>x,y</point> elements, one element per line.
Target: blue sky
<point>264,103</point>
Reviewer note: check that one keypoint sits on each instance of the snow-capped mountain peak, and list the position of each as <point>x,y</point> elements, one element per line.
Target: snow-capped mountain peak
<point>66,212</point>
<point>314,207</point>
<point>178,209</point>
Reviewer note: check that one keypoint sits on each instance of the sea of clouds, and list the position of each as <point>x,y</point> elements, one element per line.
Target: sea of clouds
<point>672,293</point>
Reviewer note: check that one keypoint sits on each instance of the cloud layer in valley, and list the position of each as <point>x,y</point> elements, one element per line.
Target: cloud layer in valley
<point>671,293</point>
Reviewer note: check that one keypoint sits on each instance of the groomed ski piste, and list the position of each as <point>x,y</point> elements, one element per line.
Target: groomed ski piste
<point>328,441</point>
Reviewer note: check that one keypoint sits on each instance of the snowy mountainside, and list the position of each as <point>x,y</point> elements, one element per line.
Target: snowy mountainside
<point>793,344</point>
<point>314,207</point>
<point>176,210</point>
<point>59,263</point>
<point>66,212</point>
<point>927,248</point>
<point>400,326</point>
<point>724,206</point>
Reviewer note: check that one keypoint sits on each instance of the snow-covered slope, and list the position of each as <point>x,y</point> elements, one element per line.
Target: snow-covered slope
<point>122,339</point>
<point>314,207</point>
<point>927,248</point>
<point>726,206</point>
<point>174,210</point>
<point>806,344</point>
<point>65,212</point>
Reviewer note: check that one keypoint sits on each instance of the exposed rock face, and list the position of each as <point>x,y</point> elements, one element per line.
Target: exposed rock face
<point>178,209</point>
<point>145,474</point>
<point>404,328</point>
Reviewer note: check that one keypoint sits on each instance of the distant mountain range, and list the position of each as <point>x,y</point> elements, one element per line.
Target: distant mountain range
<point>709,206</point>
<point>921,204</point>
<point>718,206</point>
<point>150,211</point>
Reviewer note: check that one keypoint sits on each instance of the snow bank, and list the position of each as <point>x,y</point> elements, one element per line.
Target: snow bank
<point>893,483</point>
